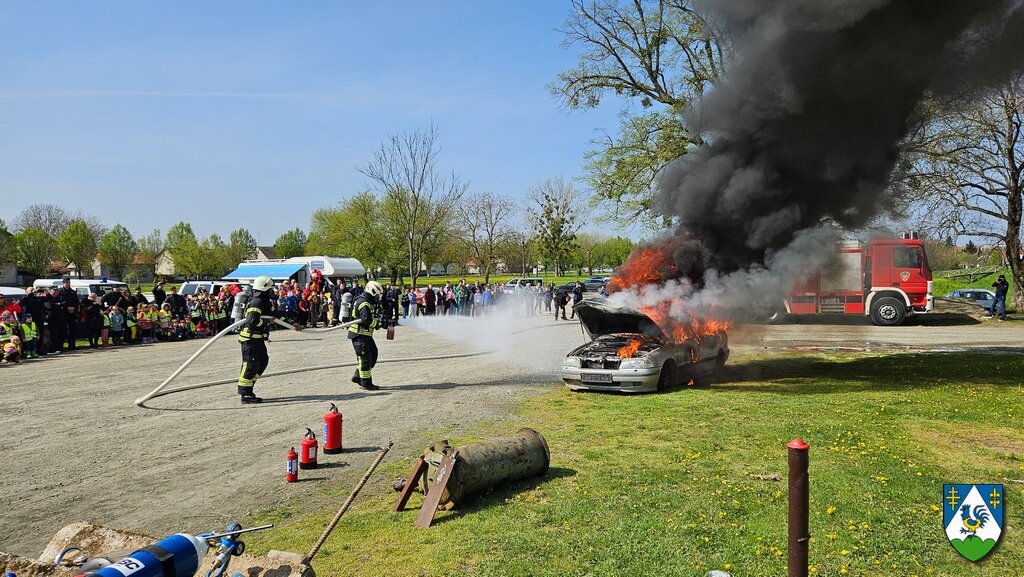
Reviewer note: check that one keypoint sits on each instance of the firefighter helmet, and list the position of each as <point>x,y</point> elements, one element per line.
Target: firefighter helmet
<point>374,289</point>
<point>262,283</point>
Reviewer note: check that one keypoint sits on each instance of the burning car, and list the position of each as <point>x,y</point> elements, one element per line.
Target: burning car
<point>630,353</point>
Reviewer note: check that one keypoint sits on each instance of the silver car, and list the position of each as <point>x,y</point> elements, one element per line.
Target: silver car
<point>604,364</point>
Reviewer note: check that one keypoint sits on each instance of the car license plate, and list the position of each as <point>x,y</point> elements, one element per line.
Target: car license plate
<point>596,377</point>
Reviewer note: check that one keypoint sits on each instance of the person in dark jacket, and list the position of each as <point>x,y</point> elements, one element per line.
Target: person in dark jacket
<point>179,308</point>
<point>138,298</point>
<point>93,313</point>
<point>577,296</point>
<point>561,299</point>
<point>159,296</point>
<point>67,300</point>
<point>999,303</point>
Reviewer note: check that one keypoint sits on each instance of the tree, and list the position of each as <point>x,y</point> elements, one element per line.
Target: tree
<point>555,215</point>
<point>183,246</point>
<point>970,247</point>
<point>213,257</point>
<point>616,250</point>
<point>519,252</point>
<point>661,55</point>
<point>291,243</point>
<point>53,219</point>
<point>150,248</point>
<point>241,246</point>
<point>967,173</point>
<point>117,250</point>
<point>34,250</point>
<point>332,231</point>
<point>590,253</point>
<point>50,218</point>
<point>418,199</point>
<point>76,244</point>
<point>485,222</point>
<point>6,244</point>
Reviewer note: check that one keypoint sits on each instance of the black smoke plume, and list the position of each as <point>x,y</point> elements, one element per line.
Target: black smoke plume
<point>805,127</point>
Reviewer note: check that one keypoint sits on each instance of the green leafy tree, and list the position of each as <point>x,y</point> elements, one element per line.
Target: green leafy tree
<point>213,257</point>
<point>183,246</point>
<point>661,55</point>
<point>77,245</point>
<point>555,214</point>
<point>419,199</point>
<point>34,250</point>
<point>970,247</point>
<point>616,250</point>
<point>291,243</point>
<point>378,247</point>
<point>117,250</point>
<point>241,246</point>
<point>150,248</point>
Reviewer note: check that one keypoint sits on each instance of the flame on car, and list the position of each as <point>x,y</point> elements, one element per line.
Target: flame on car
<point>651,265</point>
<point>629,350</point>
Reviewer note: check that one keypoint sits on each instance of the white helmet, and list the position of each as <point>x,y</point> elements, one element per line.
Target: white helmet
<point>262,283</point>
<point>374,289</point>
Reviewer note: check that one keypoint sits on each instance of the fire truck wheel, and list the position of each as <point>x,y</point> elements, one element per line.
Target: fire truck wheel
<point>888,311</point>
<point>669,376</point>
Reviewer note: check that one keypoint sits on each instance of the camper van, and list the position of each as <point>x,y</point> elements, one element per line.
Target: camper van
<point>83,286</point>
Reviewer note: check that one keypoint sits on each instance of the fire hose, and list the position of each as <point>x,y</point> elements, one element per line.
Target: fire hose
<point>157,391</point>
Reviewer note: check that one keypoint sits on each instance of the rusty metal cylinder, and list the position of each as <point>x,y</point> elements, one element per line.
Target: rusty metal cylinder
<point>799,501</point>
<point>481,466</point>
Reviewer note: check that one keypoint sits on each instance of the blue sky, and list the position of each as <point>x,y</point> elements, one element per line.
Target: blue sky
<point>230,114</point>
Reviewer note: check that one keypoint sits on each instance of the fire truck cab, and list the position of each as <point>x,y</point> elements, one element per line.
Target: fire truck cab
<point>886,279</point>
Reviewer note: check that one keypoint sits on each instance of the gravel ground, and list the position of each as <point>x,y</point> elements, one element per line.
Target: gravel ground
<point>76,448</point>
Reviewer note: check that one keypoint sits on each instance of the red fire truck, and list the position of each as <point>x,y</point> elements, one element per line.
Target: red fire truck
<point>885,279</point>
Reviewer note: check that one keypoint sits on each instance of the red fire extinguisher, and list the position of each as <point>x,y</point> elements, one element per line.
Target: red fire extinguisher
<point>307,458</point>
<point>332,431</point>
<point>291,466</point>
<point>391,332</point>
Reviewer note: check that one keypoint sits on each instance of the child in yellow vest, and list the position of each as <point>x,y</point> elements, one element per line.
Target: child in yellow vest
<point>28,328</point>
<point>11,351</point>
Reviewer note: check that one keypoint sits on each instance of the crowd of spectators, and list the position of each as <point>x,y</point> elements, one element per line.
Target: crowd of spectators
<point>55,320</point>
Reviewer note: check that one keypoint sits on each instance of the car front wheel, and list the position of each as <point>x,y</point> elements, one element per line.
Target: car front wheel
<point>669,376</point>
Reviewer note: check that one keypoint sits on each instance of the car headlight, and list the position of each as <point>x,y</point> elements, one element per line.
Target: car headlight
<point>637,363</point>
<point>572,363</point>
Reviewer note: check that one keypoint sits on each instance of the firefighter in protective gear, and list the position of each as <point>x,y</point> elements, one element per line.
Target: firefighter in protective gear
<point>253,337</point>
<point>367,310</point>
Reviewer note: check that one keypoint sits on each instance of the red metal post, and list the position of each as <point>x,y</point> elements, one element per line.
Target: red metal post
<point>799,497</point>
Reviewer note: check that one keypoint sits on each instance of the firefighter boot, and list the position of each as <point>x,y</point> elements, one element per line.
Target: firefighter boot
<point>355,377</point>
<point>248,397</point>
<point>368,385</point>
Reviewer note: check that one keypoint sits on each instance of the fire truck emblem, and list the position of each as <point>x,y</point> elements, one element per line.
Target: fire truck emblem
<point>905,276</point>
<point>972,516</point>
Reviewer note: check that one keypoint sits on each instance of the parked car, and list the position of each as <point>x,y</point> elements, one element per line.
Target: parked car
<point>980,297</point>
<point>595,282</point>
<point>83,286</point>
<point>657,362</point>
<point>567,287</point>
<point>12,294</point>
<point>534,282</point>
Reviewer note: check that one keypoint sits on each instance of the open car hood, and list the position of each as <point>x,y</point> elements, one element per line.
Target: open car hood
<point>601,317</point>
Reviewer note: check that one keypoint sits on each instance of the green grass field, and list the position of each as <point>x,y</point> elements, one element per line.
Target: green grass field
<point>665,484</point>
